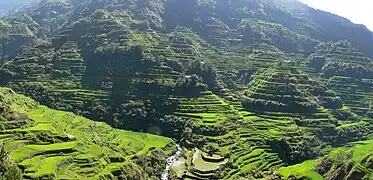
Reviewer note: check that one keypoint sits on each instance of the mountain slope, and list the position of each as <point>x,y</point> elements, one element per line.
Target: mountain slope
<point>352,163</point>
<point>7,7</point>
<point>245,86</point>
<point>53,144</point>
<point>288,24</point>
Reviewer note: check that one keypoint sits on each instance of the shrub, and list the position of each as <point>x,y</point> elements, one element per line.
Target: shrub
<point>204,70</point>
<point>317,62</point>
<point>8,168</point>
<point>190,85</point>
<point>175,65</point>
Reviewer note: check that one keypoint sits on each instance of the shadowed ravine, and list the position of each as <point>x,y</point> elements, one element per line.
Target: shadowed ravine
<point>171,161</point>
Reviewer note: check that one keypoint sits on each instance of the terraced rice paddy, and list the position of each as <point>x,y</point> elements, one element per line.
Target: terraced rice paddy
<point>246,147</point>
<point>355,158</point>
<point>58,144</point>
<point>249,135</point>
<point>289,100</point>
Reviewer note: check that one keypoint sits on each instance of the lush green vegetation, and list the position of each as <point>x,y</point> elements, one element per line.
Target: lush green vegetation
<point>244,86</point>
<point>350,162</point>
<point>53,144</point>
<point>8,169</point>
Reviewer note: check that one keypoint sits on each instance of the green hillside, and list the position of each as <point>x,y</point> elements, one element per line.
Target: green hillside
<point>352,162</point>
<point>249,89</point>
<point>51,144</point>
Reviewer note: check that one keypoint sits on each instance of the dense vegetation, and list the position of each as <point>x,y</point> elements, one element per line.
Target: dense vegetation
<point>353,162</point>
<point>246,87</point>
<point>50,144</point>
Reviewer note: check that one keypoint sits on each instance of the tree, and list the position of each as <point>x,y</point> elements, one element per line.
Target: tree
<point>203,69</point>
<point>5,73</point>
<point>8,169</point>
<point>212,149</point>
<point>190,85</point>
<point>134,115</point>
<point>98,110</point>
<point>317,62</point>
<point>175,65</point>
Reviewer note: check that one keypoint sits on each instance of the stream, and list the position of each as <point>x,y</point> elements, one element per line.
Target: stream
<point>196,154</point>
<point>170,162</point>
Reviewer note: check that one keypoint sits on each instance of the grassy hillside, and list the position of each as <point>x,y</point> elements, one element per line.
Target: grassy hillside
<point>51,144</point>
<point>351,162</point>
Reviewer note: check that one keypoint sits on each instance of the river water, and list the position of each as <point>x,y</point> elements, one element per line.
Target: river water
<point>170,162</point>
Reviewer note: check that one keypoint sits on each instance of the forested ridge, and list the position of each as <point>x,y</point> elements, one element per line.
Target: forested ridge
<point>250,89</point>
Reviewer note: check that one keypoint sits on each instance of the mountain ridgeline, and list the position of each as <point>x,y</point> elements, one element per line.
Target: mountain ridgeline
<point>249,89</point>
<point>10,7</point>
